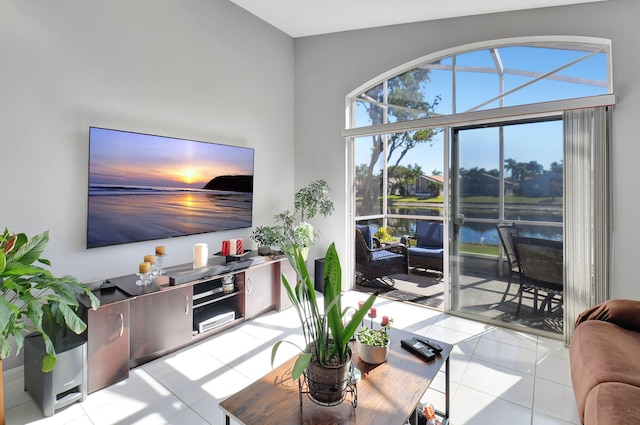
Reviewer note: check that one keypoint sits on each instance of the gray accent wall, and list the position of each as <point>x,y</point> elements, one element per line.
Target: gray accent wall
<point>199,69</point>
<point>202,69</point>
<point>331,66</point>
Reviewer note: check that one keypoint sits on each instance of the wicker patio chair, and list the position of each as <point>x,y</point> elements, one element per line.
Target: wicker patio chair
<point>428,250</point>
<point>375,262</point>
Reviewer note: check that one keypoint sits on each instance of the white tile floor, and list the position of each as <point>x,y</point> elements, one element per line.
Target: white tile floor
<point>498,376</point>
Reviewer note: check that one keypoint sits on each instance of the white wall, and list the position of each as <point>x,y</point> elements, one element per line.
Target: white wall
<point>329,67</point>
<point>199,69</point>
<point>202,69</point>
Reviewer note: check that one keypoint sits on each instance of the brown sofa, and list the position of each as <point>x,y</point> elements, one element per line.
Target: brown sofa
<point>605,363</point>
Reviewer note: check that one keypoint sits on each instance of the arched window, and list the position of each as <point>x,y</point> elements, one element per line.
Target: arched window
<point>508,73</point>
<point>500,106</point>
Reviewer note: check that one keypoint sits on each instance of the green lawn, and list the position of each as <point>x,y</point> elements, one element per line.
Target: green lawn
<point>509,199</point>
<point>480,248</point>
<point>473,248</point>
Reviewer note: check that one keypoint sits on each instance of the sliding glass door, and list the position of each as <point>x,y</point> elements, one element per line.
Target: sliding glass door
<point>503,173</point>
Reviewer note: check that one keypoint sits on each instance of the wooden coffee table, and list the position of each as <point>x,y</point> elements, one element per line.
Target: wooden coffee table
<point>387,393</point>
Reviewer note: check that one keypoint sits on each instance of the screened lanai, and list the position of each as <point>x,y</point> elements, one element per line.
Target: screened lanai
<point>475,137</point>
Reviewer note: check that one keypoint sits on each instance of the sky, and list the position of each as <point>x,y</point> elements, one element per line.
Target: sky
<point>125,158</point>
<point>541,142</point>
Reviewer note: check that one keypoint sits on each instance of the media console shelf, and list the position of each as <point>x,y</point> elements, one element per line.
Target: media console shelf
<point>212,307</point>
<point>147,322</point>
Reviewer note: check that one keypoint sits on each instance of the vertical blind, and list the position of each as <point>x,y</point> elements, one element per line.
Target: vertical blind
<point>587,211</point>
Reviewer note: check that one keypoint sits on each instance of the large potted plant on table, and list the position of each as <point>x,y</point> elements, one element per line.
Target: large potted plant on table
<point>33,300</point>
<point>325,360</point>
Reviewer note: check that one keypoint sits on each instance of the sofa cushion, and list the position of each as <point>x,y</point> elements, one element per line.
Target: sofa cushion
<point>613,403</point>
<point>602,352</point>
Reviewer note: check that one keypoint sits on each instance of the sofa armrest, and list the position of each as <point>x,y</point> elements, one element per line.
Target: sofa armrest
<point>624,313</point>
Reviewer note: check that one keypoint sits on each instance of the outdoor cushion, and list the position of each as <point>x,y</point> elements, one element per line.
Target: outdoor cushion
<point>424,252</point>
<point>429,240</point>
<point>366,234</point>
<point>384,254</point>
<point>429,234</point>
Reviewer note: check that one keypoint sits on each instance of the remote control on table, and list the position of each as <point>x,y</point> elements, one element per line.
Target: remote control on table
<point>418,348</point>
<point>431,344</point>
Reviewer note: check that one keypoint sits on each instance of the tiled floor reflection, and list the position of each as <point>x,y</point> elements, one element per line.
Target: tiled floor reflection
<point>498,376</point>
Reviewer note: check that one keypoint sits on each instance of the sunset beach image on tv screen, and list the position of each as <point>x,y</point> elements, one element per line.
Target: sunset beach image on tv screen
<point>145,187</point>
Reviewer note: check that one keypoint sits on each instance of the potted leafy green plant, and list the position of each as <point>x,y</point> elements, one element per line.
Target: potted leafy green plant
<point>291,231</point>
<point>266,237</point>
<point>372,345</point>
<point>33,300</point>
<point>313,199</point>
<point>325,333</point>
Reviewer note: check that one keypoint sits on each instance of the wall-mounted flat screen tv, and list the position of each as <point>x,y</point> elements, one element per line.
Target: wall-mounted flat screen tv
<point>144,187</point>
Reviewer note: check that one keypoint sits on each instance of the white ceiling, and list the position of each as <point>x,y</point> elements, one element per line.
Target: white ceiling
<point>300,18</point>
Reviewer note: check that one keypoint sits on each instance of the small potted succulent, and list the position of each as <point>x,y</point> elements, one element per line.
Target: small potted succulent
<point>372,345</point>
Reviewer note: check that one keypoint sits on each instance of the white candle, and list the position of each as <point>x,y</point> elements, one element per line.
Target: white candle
<point>232,247</point>
<point>200,254</point>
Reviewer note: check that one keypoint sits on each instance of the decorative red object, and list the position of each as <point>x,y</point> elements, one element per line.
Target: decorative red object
<point>360,304</point>
<point>372,313</point>
<point>385,320</point>
<point>226,247</point>
<point>239,246</point>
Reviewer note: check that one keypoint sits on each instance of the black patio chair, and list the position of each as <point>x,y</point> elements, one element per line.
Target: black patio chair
<point>377,263</point>
<point>428,251</point>
<point>542,268</point>
<point>507,232</point>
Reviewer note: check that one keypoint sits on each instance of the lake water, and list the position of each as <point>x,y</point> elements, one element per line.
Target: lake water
<point>485,233</point>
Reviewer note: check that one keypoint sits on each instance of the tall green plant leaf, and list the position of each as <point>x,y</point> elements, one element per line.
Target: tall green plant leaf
<point>33,299</point>
<point>3,262</point>
<point>332,298</point>
<point>72,320</point>
<point>300,365</point>
<point>30,251</point>
<point>322,328</point>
